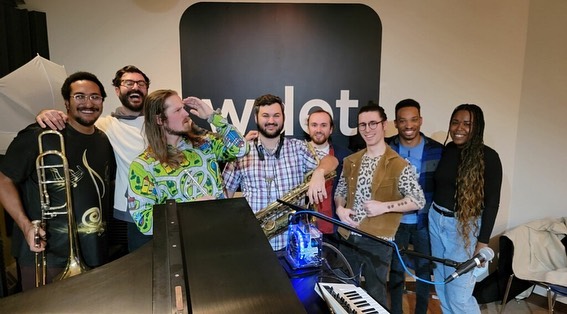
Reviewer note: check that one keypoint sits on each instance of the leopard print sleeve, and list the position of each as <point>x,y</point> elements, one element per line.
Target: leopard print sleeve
<point>409,186</point>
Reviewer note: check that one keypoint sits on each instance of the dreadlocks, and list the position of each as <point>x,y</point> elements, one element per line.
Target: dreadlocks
<point>469,198</point>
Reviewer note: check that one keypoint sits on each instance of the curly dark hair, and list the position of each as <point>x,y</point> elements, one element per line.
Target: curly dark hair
<point>80,76</point>
<point>267,100</point>
<point>469,198</point>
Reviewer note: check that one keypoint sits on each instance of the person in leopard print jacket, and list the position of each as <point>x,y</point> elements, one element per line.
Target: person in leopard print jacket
<point>376,186</point>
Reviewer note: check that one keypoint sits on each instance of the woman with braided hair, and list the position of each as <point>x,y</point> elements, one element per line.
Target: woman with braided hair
<point>466,199</point>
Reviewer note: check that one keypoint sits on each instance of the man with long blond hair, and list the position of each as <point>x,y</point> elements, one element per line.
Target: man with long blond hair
<point>181,160</point>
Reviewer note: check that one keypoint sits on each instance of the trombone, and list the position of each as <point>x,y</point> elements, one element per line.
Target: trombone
<point>75,265</point>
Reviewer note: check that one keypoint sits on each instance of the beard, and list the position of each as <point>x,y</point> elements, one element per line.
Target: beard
<point>84,122</point>
<point>182,132</point>
<point>268,134</point>
<point>125,100</point>
<point>319,140</point>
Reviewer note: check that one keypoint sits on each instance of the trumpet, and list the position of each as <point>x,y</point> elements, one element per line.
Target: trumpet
<point>75,265</point>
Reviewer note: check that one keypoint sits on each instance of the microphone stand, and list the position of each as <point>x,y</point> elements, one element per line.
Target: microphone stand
<point>304,211</point>
<point>444,261</point>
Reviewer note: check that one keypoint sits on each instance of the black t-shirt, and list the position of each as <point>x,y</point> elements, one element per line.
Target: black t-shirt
<point>91,167</point>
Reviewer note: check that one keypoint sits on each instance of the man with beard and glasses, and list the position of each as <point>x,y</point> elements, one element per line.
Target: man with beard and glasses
<point>181,160</point>
<point>320,126</point>
<point>124,130</point>
<point>276,164</point>
<point>423,153</point>
<point>91,169</point>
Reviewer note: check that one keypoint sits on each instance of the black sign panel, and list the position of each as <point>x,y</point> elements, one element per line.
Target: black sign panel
<point>325,55</point>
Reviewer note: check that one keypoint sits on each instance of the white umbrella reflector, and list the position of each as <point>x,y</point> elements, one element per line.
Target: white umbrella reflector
<point>25,92</point>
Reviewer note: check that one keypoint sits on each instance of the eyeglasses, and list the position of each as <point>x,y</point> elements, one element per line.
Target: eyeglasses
<point>372,125</point>
<point>130,83</point>
<point>82,98</point>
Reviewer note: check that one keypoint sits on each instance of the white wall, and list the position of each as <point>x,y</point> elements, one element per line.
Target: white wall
<point>539,169</point>
<point>440,52</point>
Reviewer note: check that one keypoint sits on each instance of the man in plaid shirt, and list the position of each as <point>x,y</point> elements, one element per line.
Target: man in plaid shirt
<point>275,164</point>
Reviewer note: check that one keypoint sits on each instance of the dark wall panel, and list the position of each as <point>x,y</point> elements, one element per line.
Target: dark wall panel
<point>23,34</point>
<point>38,34</point>
<point>308,54</point>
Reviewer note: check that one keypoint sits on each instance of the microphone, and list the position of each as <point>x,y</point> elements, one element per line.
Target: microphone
<point>485,254</point>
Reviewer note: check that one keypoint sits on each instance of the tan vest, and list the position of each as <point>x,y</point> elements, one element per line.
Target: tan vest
<point>384,188</point>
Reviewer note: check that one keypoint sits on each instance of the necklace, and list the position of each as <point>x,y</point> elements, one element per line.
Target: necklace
<point>270,176</point>
<point>268,150</point>
<point>269,171</point>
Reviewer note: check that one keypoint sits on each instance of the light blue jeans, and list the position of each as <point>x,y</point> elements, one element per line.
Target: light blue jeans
<point>446,242</point>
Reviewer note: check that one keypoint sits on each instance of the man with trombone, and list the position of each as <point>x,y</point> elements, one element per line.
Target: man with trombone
<point>124,130</point>
<point>64,179</point>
